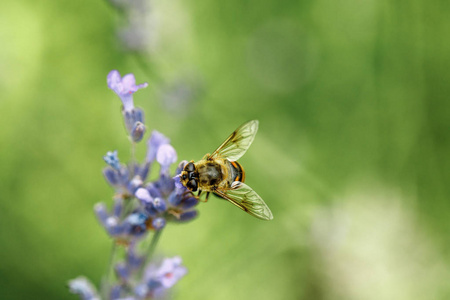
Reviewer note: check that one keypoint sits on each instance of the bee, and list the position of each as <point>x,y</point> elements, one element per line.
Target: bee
<point>220,173</point>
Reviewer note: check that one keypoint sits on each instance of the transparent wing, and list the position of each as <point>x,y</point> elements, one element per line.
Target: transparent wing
<point>246,199</point>
<point>238,142</point>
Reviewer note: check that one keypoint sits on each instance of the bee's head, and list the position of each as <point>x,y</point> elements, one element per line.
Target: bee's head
<point>189,177</point>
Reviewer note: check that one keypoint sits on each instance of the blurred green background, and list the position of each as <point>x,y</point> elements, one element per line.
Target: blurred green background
<point>352,153</point>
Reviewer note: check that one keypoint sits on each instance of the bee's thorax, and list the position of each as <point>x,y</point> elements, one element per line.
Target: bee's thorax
<point>209,174</point>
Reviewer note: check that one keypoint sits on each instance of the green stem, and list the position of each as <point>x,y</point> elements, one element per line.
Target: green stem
<point>151,249</point>
<point>109,276</point>
<point>133,156</point>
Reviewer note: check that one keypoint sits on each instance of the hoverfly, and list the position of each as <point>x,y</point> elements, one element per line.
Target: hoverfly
<point>221,174</point>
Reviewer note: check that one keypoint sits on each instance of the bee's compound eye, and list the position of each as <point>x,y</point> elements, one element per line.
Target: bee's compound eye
<point>190,167</point>
<point>192,175</point>
<point>192,185</point>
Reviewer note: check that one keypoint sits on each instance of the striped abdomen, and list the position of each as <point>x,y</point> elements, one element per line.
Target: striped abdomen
<point>236,172</point>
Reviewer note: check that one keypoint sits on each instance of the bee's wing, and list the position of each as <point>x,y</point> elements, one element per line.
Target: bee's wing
<point>238,142</point>
<point>246,199</point>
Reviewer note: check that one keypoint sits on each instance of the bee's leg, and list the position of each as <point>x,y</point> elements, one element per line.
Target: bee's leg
<point>193,195</point>
<point>207,156</point>
<point>199,194</point>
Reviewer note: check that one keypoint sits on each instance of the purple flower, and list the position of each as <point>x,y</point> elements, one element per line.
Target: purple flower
<point>159,223</point>
<point>119,179</point>
<point>171,271</point>
<point>112,159</point>
<point>157,280</point>
<point>166,156</point>
<point>125,230</point>
<point>83,287</point>
<point>144,195</point>
<point>124,87</point>
<point>139,206</point>
<point>132,263</point>
<point>155,141</point>
<point>164,198</point>
<point>111,222</point>
<point>125,179</point>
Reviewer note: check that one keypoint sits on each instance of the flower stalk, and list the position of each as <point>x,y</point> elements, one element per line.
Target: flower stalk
<point>140,209</point>
<point>151,249</point>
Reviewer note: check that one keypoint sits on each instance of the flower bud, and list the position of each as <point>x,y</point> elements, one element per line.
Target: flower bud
<point>112,159</point>
<point>131,117</point>
<point>138,131</point>
<point>159,223</point>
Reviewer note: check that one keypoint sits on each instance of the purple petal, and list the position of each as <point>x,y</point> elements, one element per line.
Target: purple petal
<point>181,166</point>
<point>110,223</point>
<point>141,86</point>
<point>116,291</point>
<point>154,142</point>
<point>129,83</point>
<point>113,79</point>
<point>178,184</point>
<point>144,195</point>
<point>127,102</point>
<point>135,224</point>
<point>118,206</point>
<point>83,287</point>
<point>124,87</point>
<point>158,223</point>
<point>134,184</point>
<point>135,261</point>
<point>189,203</point>
<point>187,216</point>
<point>171,271</point>
<point>159,204</point>
<point>153,189</point>
<point>141,290</point>
<point>165,185</point>
<point>175,199</point>
<point>111,176</point>
<point>101,212</point>
<point>122,271</point>
<point>166,155</point>
<point>143,171</point>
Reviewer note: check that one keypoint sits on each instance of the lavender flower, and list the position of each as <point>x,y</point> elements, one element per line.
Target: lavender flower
<point>166,202</point>
<point>118,178</point>
<point>83,287</point>
<point>166,156</point>
<point>156,140</point>
<point>140,209</point>
<point>124,87</point>
<point>112,159</point>
<point>123,230</point>
<point>157,280</point>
